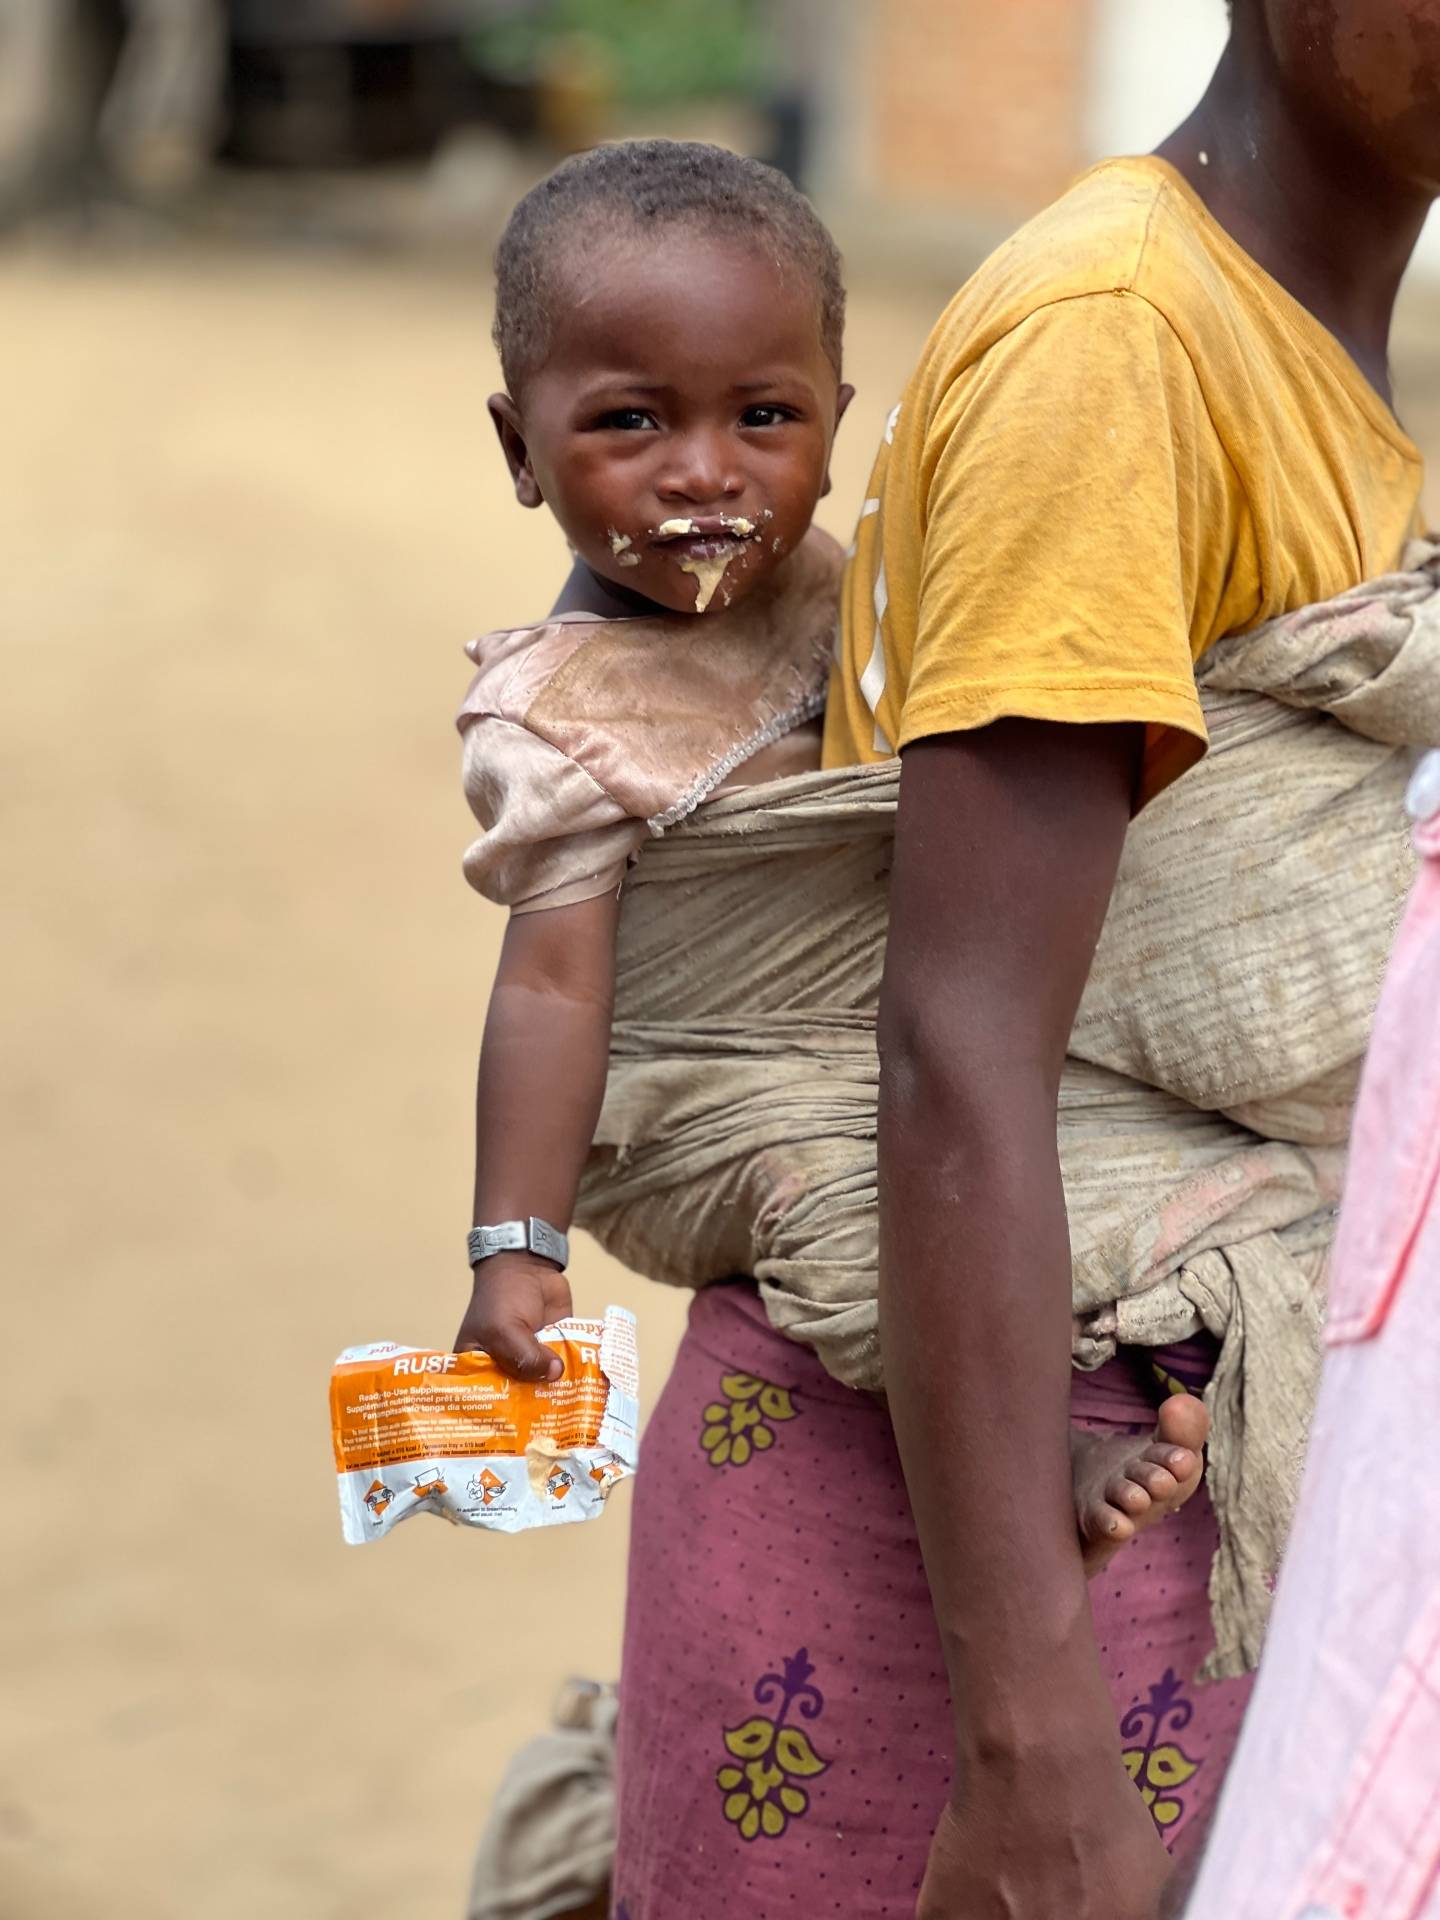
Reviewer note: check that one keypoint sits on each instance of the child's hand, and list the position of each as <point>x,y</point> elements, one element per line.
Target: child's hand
<point>515,1295</point>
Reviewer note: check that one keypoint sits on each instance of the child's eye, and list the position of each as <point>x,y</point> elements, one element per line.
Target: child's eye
<point>768,414</point>
<point>629,420</point>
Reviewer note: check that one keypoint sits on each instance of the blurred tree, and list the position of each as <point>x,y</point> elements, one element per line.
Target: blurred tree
<point>659,50</point>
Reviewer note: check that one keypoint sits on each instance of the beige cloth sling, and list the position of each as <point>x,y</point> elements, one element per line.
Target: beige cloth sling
<point>549,1842</point>
<point>1205,1104</point>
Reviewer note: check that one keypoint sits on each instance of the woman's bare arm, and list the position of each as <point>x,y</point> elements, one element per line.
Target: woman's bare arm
<point>1006,851</point>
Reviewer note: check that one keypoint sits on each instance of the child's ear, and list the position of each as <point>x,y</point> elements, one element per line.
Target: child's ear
<point>842,404</point>
<point>509,427</point>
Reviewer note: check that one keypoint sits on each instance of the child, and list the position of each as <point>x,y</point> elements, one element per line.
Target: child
<point>669,320</point>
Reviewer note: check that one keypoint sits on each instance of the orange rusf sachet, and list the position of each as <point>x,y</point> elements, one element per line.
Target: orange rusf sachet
<point>449,1433</point>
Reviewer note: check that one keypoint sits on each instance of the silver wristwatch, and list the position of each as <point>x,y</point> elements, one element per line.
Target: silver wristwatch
<point>519,1236</point>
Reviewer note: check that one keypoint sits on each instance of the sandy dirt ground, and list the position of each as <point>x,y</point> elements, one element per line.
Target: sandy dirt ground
<point>250,509</point>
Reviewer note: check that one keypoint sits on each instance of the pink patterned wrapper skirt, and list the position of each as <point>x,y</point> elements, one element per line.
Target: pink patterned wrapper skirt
<point>784,1729</point>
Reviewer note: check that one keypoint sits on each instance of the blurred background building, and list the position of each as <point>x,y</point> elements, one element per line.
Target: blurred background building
<point>913,121</point>
<point>250,509</point>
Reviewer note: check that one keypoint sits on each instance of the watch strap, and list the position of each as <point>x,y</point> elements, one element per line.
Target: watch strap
<point>519,1236</point>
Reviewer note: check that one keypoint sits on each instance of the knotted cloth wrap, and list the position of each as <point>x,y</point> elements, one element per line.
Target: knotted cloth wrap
<point>1206,1099</point>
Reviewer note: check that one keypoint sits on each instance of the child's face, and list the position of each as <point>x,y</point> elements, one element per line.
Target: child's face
<point>1373,66</point>
<point>680,430</point>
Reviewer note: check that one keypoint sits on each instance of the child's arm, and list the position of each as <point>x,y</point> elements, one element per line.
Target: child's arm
<point>542,1079</point>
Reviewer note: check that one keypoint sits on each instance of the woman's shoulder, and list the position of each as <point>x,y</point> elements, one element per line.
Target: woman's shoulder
<point>1088,243</point>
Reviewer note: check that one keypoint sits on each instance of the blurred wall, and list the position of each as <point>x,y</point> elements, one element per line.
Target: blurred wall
<point>1149,61</point>
<point>946,114</point>
<point>978,103</point>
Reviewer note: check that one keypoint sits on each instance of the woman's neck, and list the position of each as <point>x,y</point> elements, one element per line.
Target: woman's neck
<point>1310,206</point>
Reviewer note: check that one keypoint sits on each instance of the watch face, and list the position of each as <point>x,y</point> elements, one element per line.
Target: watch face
<point>483,1241</point>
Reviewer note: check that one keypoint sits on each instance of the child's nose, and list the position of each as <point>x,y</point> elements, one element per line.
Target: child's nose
<point>701,469</point>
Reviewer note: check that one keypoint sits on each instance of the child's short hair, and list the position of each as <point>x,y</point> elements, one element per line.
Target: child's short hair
<point>640,185</point>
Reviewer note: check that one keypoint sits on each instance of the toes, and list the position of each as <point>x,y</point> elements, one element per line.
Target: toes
<point>1158,1477</point>
<point>1127,1492</point>
<point>1181,1463</point>
<point>1183,1422</point>
<point>1106,1526</point>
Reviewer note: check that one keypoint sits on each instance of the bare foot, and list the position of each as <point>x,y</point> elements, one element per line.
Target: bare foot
<point>1124,1485</point>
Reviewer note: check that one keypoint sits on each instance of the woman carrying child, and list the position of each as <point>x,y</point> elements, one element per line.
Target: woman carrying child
<point>1158,416</point>
<point>670,319</point>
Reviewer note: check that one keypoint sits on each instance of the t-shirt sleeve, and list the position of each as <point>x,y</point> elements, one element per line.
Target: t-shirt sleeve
<point>551,835</point>
<point>1073,477</point>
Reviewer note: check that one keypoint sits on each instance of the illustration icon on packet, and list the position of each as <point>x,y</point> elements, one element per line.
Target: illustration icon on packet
<point>378,1499</point>
<point>558,1482</point>
<point>485,1487</point>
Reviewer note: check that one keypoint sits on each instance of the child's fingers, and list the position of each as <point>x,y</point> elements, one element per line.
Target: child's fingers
<point>519,1352</point>
<point>510,1303</point>
<point>513,1347</point>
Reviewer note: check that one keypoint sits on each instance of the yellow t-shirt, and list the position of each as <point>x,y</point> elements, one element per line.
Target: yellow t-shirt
<point>1124,440</point>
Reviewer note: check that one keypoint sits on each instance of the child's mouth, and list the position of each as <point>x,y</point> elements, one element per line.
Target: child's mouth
<point>707,538</point>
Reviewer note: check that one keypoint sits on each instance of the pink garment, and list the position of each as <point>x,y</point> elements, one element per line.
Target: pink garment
<point>1332,1809</point>
<point>784,1738</point>
<point>585,737</point>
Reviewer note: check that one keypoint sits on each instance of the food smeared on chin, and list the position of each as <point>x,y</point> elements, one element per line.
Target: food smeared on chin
<point>705,548</point>
<point>708,571</point>
<point>623,548</point>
